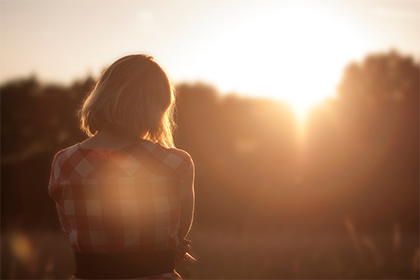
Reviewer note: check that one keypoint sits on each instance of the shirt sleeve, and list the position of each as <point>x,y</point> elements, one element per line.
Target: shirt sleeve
<point>55,173</point>
<point>185,164</point>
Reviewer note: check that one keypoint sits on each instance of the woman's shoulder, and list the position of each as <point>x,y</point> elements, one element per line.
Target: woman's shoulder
<point>181,161</point>
<point>166,153</point>
<point>178,159</point>
<point>60,164</point>
<point>65,153</point>
<point>181,154</point>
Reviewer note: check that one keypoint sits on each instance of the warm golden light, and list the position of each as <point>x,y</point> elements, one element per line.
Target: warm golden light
<point>295,53</point>
<point>22,247</point>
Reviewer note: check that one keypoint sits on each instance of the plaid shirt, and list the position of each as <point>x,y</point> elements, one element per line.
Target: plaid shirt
<point>172,275</point>
<point>123,200</point>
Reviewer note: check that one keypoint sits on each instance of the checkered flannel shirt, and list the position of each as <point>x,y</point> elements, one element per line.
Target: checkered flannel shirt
<point>123,200</point>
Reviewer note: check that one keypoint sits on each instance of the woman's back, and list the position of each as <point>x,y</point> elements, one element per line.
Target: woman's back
<point>120,200</point>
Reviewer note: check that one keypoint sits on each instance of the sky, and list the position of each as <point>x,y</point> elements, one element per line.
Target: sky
<point>277,49</point>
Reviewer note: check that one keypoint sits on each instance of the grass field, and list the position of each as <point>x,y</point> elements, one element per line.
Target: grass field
<point>222,254</point>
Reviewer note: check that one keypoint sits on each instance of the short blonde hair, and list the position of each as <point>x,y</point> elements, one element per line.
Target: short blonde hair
<point>133,95</point>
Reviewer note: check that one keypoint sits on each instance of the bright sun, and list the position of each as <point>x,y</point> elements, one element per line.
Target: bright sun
<point>295,54</point>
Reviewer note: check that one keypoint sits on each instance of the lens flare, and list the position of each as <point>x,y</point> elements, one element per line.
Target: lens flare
<point>22,247</point>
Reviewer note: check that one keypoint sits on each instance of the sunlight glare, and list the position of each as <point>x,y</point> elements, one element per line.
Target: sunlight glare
<point>295,54</point>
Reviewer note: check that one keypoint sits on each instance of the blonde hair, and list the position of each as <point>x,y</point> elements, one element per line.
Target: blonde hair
<point>133,95</point>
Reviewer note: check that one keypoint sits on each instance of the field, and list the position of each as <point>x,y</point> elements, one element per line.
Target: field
<point>222,254</point>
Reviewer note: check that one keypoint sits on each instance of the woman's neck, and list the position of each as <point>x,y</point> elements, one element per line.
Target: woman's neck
<point>109,139</point>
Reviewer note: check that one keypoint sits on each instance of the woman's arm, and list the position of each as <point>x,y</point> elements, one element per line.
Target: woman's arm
<point>187,202</point>
<point>186,215</point>
<point>63,220</point>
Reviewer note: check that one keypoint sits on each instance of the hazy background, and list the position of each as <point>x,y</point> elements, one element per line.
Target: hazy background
<point>302,118</point>
<point>221,42</point>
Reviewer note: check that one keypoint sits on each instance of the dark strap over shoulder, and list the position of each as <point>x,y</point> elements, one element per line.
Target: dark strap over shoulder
<point>123,265</point>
